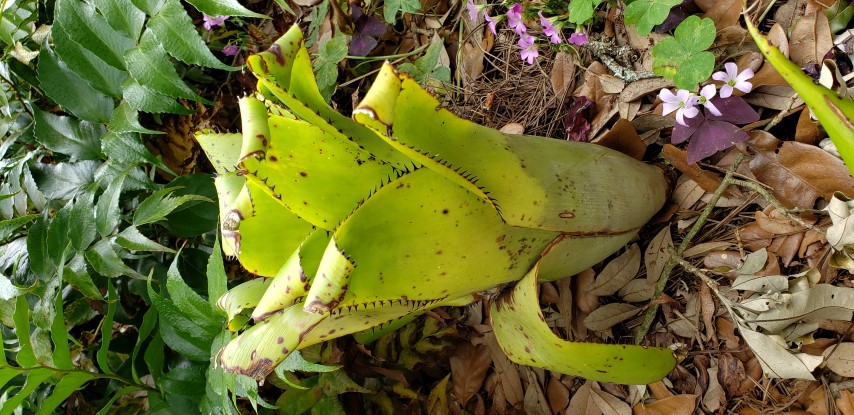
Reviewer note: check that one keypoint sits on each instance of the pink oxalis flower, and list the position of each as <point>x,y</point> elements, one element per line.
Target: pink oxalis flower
<point>529,48</point>
<point>211,22</point>
<point>549,29</point>
<point>705,97</point>
<point>230,50</point>
<point>514,19</point>
<point>492,22</point>
<point>682,102</point>
<point>472,10</point>
<point>577,38</point>
<point>732,79</point>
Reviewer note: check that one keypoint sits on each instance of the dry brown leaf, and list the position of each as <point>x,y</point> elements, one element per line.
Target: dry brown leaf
<point>468,369</point>
<point>471,62</point>
<point>659,390</point>
<point>611,84</point>
<point>637,290</point>
<point>557,394</point>
<point>767,75</point>
<point>785,15</point>
<point>674,405</point>
<point>707,312</point>
<point>686,193</point>
<point>582,403</point>
<point>807,130</point>
<point>714,394</point>
<point>624,138</point>
<point>840,359</point>
<point>770,220</point>
<point>817,402</point>
<point>657,254</point>
<point>722,261</point>
<point>845,402</point>
<point>609,404</point>
<point>586,302</point>
<point>608,315</point>
<point>562,75</point>
<point>549,293</point>
<point>775,97</point>
<point>753,237</point>
<point>513,128</point>
<point>705,248</point>
<point>709,181</point>
<point>649,126</point>
<point>730,374</point>
<point>511,384</point>
<point>810,40</point>
<point>628,110</point>
<point>818,346</point>
<point>643,87</point>
<point>617,273</point>
<point>535,401</point>
<point>592,88</point>
<point>797,173</point>
<point>786,247</point>
<point>724,13</point>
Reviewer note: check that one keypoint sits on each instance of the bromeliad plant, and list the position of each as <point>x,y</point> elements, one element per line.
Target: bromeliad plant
<point>359,225</point>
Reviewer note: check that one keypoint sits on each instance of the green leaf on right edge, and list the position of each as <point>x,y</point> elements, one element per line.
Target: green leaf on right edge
<point>683,57</point>
<point>646,14</point>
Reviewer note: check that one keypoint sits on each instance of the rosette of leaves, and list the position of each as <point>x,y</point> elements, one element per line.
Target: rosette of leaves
<point>359,225</point>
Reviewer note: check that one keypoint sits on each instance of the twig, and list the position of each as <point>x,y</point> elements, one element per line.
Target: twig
<point>649,316</point>
<point>604,51</point>
<point>776,203</point>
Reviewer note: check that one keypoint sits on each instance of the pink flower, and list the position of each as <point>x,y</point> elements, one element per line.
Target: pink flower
<point>529,48</point>
<point>472,9</point>
<point>732,79</point>
<point>514,19</point>
<point>211,22</point>
<point>706,94</point>
<point>492,22</point>
<point>230,50</point>
<point>549,29</point>
<point>682,102</point>
<point>577,38</point>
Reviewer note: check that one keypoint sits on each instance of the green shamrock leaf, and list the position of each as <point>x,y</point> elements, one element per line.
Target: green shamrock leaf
<point>683,57</point>
<point>580,11</point>
<point>393,6</point>
<point>646,14</point>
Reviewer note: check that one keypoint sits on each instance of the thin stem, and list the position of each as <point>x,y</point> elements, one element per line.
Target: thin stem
<point>774,202</point>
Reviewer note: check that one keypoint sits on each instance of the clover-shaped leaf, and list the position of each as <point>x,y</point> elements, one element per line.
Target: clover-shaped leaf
<point>683,57</point>
<point>580,11</point>
<point>646,14</point>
